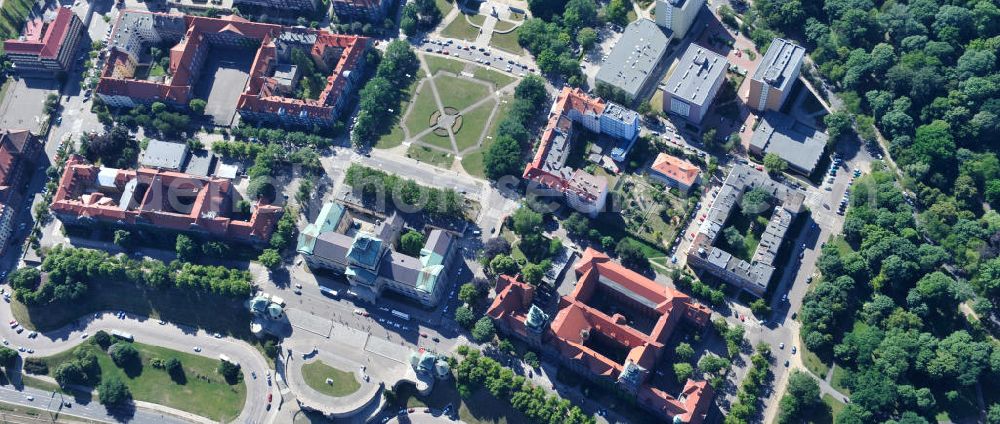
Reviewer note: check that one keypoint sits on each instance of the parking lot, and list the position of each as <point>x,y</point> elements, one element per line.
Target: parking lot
<point>486,56</point>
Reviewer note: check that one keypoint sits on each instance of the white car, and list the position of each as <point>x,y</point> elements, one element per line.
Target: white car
<point>84,335</point>
<point>196,349</point>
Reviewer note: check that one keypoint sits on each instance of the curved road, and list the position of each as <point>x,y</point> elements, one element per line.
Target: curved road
<point>146,330</point>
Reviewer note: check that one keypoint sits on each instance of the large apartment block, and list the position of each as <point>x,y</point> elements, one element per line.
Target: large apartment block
<point>362,252</point>
<point>268,93</point>
<point>18,148</point>
<point>612,329</point>
<point>752,276</point>
<point>633,63</point>
<point>47,44</point>
<point>154,199</point>
<point>363,10</point>
<point>775,75</point>
<point>583,191</point>
<point>677,15</point>
<point>695,81</point>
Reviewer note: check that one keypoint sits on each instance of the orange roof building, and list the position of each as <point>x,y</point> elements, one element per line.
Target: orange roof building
<point>612,328</point>
<point>675,172</point>
<point>192,37</point>
<point>163,200</point>
<point>47,44</point>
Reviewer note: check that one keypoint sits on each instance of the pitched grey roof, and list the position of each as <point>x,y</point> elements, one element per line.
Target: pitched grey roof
<point>333,245</point>
<point>632,61</point>
<point>438,242</point>
<point>400,268</point>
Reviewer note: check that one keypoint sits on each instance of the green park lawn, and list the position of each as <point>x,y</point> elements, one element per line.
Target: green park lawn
<point>459,93</point>
<point>430,156</point>
<point>472,162</point>
<point>498,79</point>
<point>436,64</point>
<point>503,26</point>
<point>837,381</point>
<point>423,107</point>
<point>473,124</point>
<point>479,408</point>
<point>506,42</point>
<point>460,29</point>
<point>396,136</point>
<point>316,373</point>
<point>444,6</point>
<point>203,391</point>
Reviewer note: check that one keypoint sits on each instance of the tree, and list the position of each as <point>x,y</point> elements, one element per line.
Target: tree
<point>802,396</point>
<point>712,364</point>
<point>526,221</point>
<point>503,158</point>
<point>755,202</point>
<point>838,123</point>
<point>187,249</point>
<point>123,239</point>
<point>464,317</point>
<point>197,106</point>
<point>229,371</point>
<point>483,331</point>
<point>759,308</point>
<point>531,358</point>
<point>732,236</point>
<point>112,391</point>
<point>68,373</point>
<point>993,416</point>
<point>576,224</point>
<point>684,351</point>
<point>631,254</point>
<point>411,242</point>
<point>468,293</point>
<point>533,273</point>
<point>270,258</point>
<point>586,38</point>
<point>617,12</point>
<point>103,339</point>
<point>503,264</point>
<point>123,354</point>
<point>495,246</point>
<point>8,357</point>
<point>175,370</point>
<point>774,164</point>
<point>683,371</point>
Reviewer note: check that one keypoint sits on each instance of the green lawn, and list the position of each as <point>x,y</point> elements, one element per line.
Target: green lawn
<point>459,93</point>
<point>203,391</point>
<point>423,107</point>
<point>503,26</point>
<point>316,373</point>
<point>472,126</point>
<point>813,363</point>
<point>444,6</point>
<point>443,142</point>
<point>430,156</point>
<point>436,64</point>
<point>396,136</point>
<point>460,29</point>
<point>498,79</point>
<point>506,42</point>
<point>473,162</point>
<point>837,381</point>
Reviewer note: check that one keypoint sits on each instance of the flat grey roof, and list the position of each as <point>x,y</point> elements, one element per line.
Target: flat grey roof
<point>620,113</point>
<point>695,74</point>
<point>164,155</point>
<point>202,163</point>
<point>632,61</point>
<point>797,143</point>
<point>780,61</point>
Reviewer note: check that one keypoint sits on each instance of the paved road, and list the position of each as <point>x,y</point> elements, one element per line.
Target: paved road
<point>91,410</point>
<point>149,331</point>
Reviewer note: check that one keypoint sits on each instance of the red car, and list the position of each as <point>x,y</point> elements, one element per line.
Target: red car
<point>268,398</point>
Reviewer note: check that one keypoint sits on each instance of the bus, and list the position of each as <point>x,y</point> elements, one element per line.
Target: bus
<point>400,315</point>
<point>328,292</point>
<point>122,335</point>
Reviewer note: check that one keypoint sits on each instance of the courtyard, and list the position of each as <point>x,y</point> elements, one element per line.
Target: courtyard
<point>452,113</point>
<point>224,76</point>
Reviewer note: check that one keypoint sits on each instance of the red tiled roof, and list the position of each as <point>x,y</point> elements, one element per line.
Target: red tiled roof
<point>569,99</point>
<point>676,169</point>
<point>43,38</point>
<point>511,303</point>
<point>78,195</point>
